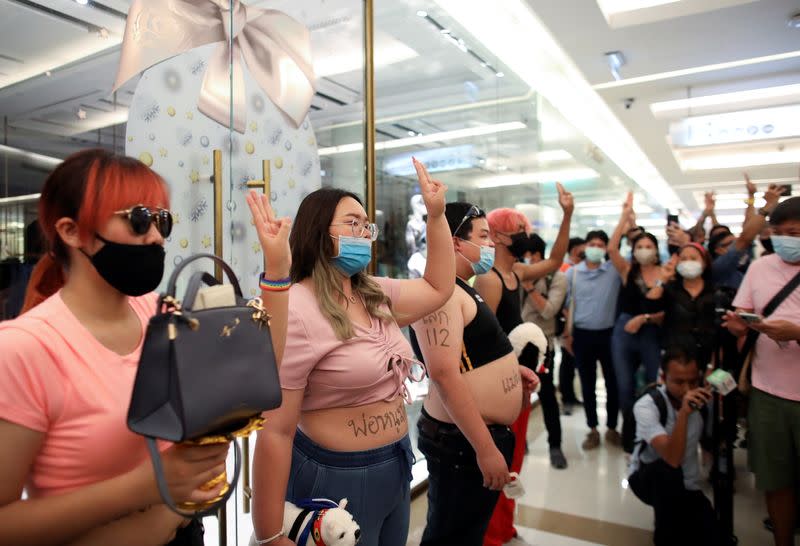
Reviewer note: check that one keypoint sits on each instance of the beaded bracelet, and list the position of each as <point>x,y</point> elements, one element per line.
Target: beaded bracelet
<point>268,285</point>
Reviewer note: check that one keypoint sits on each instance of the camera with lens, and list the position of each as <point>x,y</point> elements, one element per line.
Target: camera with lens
<point>723,302</point>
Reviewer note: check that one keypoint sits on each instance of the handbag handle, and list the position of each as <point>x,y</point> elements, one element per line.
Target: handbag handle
<point>173,279</point>
<point>158,467</point>
<point>193,288</point>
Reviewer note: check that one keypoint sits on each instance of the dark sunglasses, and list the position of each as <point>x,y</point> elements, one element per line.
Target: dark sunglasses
<point>141,217</point>
<point>473,212</point>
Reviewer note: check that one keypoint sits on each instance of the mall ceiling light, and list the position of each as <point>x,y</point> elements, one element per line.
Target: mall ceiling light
<point>738,157</point>
<point>426,139</point>
<point>794,21</point>
<point>460,43</point>
<point>82,2</point>
<point>540,177</point>
<point>546,156</point>
<point>34,158</point>
<point>751,98</point>
<point>510,30</point>
<point>699,70</point>
<point>615,60</point>
<point>739,160</point>
<point>20,198</point>
<point>736,127</point>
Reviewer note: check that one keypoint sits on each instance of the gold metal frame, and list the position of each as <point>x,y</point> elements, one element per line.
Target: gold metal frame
<point>369,117</point>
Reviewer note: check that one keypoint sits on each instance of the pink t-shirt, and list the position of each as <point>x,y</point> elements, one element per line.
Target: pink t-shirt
<point>776,370</point>
<point>370,367</point>
<point>56,378</point>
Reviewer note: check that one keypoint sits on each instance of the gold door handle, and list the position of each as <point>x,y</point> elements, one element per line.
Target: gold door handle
<point>265,182</point>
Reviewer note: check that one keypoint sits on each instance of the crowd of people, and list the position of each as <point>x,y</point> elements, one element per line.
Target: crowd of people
<point>675,309</point>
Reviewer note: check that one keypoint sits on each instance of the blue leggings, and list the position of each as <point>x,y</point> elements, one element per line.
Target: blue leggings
<point>376,484</point>
<point>629,351</point>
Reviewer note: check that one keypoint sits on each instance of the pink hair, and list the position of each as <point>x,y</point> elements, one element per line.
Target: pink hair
<point>507,220</point>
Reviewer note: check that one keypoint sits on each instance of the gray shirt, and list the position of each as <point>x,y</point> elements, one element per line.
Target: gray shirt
<point>555,294</point>
<point>648,426</point>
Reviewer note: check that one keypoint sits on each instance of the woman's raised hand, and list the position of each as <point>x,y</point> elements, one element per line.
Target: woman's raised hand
<point>565,199</point>
<point>433,191</point>
<point>273,234</point>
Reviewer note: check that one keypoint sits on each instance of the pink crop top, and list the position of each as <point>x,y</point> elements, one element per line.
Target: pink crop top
<point>56,378</point>
<point>370,367</point>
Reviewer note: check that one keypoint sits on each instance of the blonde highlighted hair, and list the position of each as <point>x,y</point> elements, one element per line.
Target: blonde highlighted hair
<point>312,252</point>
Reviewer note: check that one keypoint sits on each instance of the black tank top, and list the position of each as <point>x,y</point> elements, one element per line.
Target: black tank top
<point>509,310</point>
<point>484,340</point>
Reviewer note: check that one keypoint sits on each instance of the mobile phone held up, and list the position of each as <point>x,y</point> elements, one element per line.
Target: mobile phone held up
<point>672,219</point>
<point>786,190</point>
<point>750,318</point>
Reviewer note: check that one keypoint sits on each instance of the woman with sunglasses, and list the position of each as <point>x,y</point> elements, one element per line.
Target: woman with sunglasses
<point>502,290</point>
<point>477,389</point>
<point>68,364</point>
<point>342,430</point>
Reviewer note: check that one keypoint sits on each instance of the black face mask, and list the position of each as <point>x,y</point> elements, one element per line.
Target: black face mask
<point>134,270</point>
<point>519,245</point>
<point>767,244</point>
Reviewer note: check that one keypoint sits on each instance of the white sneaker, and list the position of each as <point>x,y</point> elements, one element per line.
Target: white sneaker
<point>518,541</point>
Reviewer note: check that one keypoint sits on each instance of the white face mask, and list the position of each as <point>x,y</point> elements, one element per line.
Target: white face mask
<point>690,269</point>
<point>645,256</point>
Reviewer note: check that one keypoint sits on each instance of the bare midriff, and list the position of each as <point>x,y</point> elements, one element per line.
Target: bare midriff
<point>496,388</point>
<point>358,428</point>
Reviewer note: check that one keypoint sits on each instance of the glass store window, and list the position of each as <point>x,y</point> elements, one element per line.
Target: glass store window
<point>442,97</point>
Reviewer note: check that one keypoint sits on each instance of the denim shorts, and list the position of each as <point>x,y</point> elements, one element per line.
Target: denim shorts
<point>376,484</point>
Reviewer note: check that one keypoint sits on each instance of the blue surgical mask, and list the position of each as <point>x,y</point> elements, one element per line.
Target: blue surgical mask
<point>595,254</point>
<point>787,247</point>
<point>355,253</point>
<point>486,262</point>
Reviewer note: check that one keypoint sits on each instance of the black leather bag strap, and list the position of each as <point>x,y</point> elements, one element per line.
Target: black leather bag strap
<point>173,279</point>
<point>161,480</point>
<point>774,303</point>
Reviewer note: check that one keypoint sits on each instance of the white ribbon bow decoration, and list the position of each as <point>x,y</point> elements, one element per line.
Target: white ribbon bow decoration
<point>275,48</point>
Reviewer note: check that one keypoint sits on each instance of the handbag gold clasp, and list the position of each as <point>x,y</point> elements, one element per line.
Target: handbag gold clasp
<point>260,315</point>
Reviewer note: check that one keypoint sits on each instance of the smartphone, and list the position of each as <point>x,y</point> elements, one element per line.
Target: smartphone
<point>672,219</point>
<point>787,190</point>
<point>750,318</point>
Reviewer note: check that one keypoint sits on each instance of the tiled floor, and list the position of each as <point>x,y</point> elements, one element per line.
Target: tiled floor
<point>586,504</point>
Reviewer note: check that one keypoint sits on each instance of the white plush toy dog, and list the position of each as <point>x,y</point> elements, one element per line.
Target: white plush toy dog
<point>529,333</point>
<point>319,522</point>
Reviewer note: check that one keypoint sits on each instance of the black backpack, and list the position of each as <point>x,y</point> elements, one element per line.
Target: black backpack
<point>638,480</point>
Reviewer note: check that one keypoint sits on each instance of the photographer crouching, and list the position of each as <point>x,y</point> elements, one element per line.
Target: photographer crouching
<point>665,466</point>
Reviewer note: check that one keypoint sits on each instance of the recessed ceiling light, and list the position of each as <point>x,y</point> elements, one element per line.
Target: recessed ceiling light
<point>500,75</point>
<point>794,21</point>
<point>422,13</point>
<point>412,133</point>
<point>80,113</point>
<point>754,97</point>
<point>82,2</point>
<point>616,60</point>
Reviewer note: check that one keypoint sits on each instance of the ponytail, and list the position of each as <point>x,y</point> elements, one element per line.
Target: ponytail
<point>87,187</point>
<point>46,279</point>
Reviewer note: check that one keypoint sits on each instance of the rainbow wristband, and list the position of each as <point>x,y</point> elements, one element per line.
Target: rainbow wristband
<point>268,285</point>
